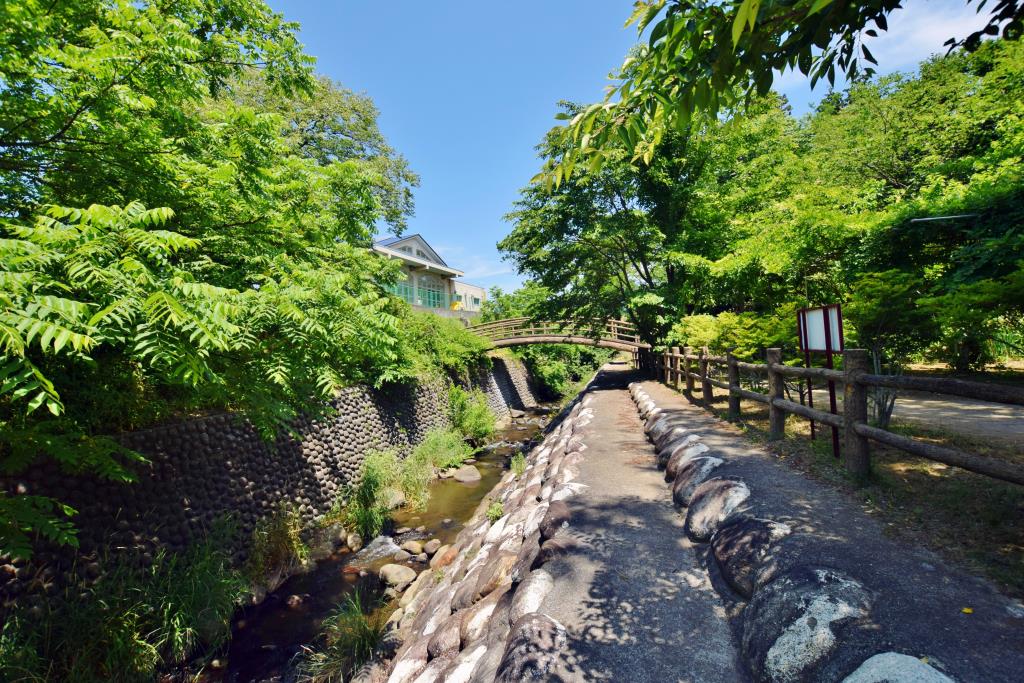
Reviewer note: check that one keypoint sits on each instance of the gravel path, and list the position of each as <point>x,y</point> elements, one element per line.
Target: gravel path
<point>636,600</point>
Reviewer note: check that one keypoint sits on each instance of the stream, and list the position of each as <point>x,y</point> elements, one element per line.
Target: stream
<point>266,637</point>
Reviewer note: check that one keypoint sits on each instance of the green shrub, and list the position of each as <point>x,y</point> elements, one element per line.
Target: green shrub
<point>470,413</point>
<point>558,368</point>
<point>495,511</point>
<point>130,623</point>
<point>518,464</point>
<point>443,448</point>
<point>433,343</point>
<point>367,505</point>
<point>350,636</point>
<point>277,543</point>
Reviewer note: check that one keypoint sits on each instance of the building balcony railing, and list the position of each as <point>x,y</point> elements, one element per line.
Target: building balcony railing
<point>431,298</point>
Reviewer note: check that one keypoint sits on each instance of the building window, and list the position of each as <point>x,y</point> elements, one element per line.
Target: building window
<point>476,301</point>
<point>431,292</point>
<point>421,254</point>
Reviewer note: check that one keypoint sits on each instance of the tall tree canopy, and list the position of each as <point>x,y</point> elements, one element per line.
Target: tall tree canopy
<point>906,184</point>
<point>185,221</point>
<point>703,56</point>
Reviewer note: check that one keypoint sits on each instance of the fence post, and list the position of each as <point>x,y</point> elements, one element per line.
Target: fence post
<point>707,392</point>
<point>857,453</point>
<point>675,367</point>
<point>734,383</point>
<point>666,366</point>
<point>687,369</point>
<point>776,416</point>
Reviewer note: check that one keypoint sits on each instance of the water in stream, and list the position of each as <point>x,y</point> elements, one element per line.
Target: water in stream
<point>266,637</point>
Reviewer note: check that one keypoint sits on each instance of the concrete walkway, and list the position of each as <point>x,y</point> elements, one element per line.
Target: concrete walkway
<point>636,600</point>
<point>641,603</point>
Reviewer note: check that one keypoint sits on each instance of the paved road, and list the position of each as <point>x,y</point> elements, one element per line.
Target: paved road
<point>972,418</point>
<point>642,604</point>
<point>636,601</point>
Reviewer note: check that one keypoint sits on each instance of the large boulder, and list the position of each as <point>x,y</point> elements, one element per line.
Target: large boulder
<point>530,594</point>
<point>444,556</point>
<point>467,474</point>
<point>557,547</point>
<point>680,457</point>
<point>712,503</point>
<point>446,640</point>
<point>741,545</point>
<point>795,625</point>
<point>534,646</point>
<point>556,518</point>
<point>664,424</point>
<point>397,576</point>
<point>671,434</point>
<point>691,475</point>
<point>893,667</point>
<point>475,620</point>
<point>460,670</point>
<point>678,444</point>
<point>498,573</point>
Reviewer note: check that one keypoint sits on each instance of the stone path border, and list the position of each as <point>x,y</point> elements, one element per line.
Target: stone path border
<point>816,592</point>
<point>474,615</point>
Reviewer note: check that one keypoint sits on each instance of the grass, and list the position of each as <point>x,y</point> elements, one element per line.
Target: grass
<point>518,464</point>
<point>128,625</point>
<point>364,507</point>
<point>495,511</point>
<point>970,519</point>
<point>350,636</point>
<point>470,413</point>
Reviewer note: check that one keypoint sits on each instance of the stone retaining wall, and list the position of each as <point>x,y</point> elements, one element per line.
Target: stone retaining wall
<point>474,615</point>
<point>202,469</point>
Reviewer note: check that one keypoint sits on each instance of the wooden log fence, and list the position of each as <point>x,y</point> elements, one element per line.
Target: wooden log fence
<point>686,369</point>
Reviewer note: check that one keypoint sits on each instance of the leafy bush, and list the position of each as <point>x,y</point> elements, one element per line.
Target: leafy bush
<point>518,464</point>
<point>277,543</point>
<point>350,636</point>
<point>495,511</point>
<point>470,413</point>
<point>436,345</point>
<point>128,624</point>
<point>442,448</point>
<point>559,367</point>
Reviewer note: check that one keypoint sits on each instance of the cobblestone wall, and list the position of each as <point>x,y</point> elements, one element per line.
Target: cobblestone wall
<point>202,469</point>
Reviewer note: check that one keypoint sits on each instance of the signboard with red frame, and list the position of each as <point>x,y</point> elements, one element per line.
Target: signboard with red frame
<point>820,330</point>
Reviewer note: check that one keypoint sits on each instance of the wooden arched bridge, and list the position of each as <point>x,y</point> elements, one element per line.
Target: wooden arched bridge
<point>615,334</point>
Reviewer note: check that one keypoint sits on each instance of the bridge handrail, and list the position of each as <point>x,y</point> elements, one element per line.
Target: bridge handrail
<point>511,328</point>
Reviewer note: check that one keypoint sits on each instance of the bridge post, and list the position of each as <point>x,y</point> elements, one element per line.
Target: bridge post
<point>707,391</point>
<point>675,367</point>
<point>734,383</point>
<point>857,452</point>
<point>688,369</point>
<point>776,416</point>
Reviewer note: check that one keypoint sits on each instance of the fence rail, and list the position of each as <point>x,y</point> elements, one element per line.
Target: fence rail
<point>684,369</point>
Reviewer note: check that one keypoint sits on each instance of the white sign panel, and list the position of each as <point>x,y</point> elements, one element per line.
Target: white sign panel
<point>813,329</point>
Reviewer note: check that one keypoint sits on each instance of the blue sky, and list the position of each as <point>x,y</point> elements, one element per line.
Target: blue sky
<point>467,89</point>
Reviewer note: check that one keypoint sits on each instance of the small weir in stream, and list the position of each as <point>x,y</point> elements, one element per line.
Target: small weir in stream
<point>265,638</point>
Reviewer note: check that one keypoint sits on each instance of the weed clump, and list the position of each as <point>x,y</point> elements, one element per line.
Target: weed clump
<point>277,544</point>
<point>495,511</point>
<point>518,464</point>
<point>470,413</point>
<point>350,636</point>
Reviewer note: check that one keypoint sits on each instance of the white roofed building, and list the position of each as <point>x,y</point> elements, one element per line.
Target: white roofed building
<point>431,284</point>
